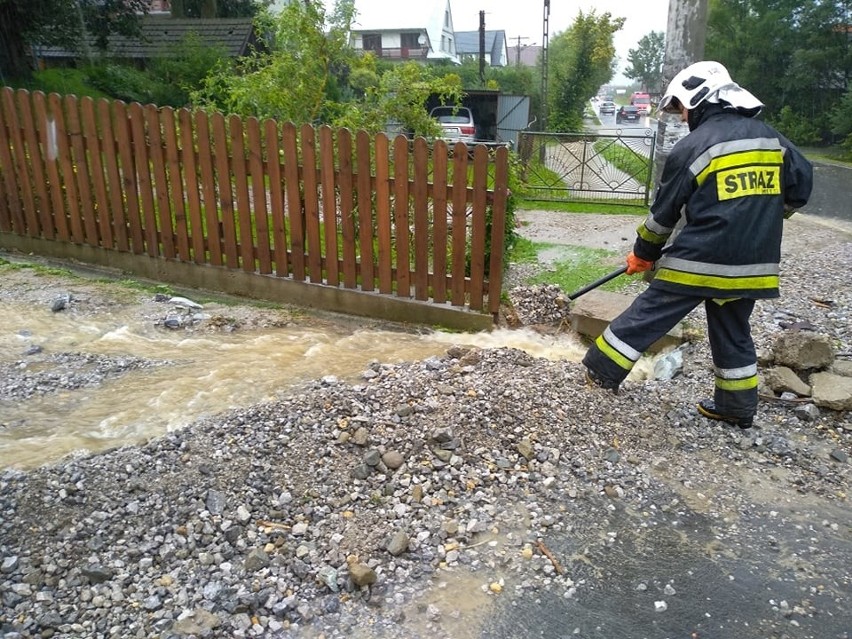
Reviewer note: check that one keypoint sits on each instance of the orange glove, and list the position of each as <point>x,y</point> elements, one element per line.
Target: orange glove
<point>637,264</point>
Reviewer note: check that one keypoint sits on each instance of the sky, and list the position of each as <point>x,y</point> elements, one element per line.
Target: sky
<point>526,19</point>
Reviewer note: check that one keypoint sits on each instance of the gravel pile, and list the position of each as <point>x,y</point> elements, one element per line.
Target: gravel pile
<point>454,497</point>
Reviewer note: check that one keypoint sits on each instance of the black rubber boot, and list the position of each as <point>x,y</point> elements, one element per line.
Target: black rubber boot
<point>707,407</point>
<point>593,379</point>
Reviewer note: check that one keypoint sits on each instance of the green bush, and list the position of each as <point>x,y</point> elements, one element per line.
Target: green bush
<point>799,129</point>
<point>64,82</point>
<point>122,82</point>
<point>841,122</point>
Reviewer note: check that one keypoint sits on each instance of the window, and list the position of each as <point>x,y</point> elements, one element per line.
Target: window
<point>372,41</point>
<point>447,18</point>
<point>409,40</point>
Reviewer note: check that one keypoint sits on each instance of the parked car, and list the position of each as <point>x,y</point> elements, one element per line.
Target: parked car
<point>457,123</point>
<point>627,113</point>
<point>607,107</point>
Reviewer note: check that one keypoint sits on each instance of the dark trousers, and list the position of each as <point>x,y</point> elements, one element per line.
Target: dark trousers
<point>653,314</point>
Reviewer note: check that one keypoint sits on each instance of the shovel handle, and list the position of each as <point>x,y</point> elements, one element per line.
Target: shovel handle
<point>595,284</point>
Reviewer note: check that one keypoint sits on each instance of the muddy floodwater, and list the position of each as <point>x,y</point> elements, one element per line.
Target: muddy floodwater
<point>193,374</point>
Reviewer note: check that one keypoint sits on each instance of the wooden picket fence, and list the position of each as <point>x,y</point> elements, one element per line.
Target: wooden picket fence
<point>332,208</point>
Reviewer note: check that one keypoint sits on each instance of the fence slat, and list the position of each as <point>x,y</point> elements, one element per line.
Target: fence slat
<point>311,192</point>
<point>258,192</point>
<point>24,220</point>
<point>129,176</point>
<point>113,177</point>
<point>295,209</point>
<point>365,210</point>
<point>400,216</point>
<point>498,228</point>
<point>329,206</point>
<point>226,197</point>
<point>421,221</point>
<point>276,189</point>
<point>347,210</point>
<point>177,197</point>
<point>383,214</point>
<point>93,150</point>
<point>9,198</point>
<point>477,240</point>
<point>74,225</point>
<point>208,182</point>
<point>459,218</point>
<point>192,188</point>
<point>439,221</point>
<point>36,157</point>
<point>161,181</point>
<point>148,217</point>
<point>244,217</point>
<point>82,170</point>
<point>47,134</point>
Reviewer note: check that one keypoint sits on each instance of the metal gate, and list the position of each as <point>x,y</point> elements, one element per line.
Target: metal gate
<point>601,167</point>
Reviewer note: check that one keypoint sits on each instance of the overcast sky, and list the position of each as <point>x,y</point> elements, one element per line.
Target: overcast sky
<point>524,18</point>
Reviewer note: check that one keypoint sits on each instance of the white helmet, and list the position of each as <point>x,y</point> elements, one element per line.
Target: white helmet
<point>707,81</point>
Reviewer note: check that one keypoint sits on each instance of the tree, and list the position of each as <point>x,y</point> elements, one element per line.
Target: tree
<point>28,23</point>
<point>789,53</point>
<point>646,62</point>
<point>581,59</point>
<point>216,8</point>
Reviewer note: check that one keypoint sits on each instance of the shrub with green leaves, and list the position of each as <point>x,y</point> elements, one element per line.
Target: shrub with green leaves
<point>798,128</point>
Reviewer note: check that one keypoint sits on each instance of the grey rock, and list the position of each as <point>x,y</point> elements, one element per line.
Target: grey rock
<point>783,379</point>
<point>803,350</point>
<point>832,391</point>
<point>216,502</point>
<point>398,543</point>
<point>256,559</point>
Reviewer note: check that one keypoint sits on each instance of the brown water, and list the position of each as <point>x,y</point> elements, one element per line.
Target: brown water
<point>210,373</point>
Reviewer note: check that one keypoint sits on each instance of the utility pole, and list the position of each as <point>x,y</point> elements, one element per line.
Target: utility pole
<point>544,42</point>
<point>518,51</point>
<point>482,47</point>
<point>686,34</point>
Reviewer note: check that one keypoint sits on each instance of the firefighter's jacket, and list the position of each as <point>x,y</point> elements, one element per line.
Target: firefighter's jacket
<point>735,179</point>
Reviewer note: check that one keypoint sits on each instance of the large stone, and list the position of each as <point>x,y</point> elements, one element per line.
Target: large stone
<point>362,574</point>
<point>592,313</point>
<point>782,379</point>
<point>803,350</point>
<point>832,391</point>
<point>842,367</point>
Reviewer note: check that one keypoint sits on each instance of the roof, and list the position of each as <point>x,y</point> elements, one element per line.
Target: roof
<point>159,32</point>
<point>528,56</point>
<point>468,41</point>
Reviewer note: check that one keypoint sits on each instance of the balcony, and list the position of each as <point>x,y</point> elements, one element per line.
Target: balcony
<point>400,53</point>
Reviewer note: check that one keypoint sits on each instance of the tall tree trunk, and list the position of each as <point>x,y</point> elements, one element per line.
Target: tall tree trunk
<point>178,9</point>
<point>208,8</point>
<point>686,34</point>
<point>14,61</point>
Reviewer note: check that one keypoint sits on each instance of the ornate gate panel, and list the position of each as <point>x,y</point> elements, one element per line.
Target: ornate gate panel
<point>588,166</point>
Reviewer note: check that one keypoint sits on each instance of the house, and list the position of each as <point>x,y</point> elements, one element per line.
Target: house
<point>524,55</point>
<point>420,30</point>
<point>160,32</point>
<point>496,51</point>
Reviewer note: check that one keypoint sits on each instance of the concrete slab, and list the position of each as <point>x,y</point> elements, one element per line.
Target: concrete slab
<point>592,313</point>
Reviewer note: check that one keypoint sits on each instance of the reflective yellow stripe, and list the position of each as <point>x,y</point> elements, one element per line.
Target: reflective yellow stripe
<point>613,354</point>
<point>720,283</point>
<point>737,384</point>
<point>650,236</point>
<point>740,159</point>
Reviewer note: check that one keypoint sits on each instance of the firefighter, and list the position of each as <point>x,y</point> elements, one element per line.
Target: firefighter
<point>734,179</point>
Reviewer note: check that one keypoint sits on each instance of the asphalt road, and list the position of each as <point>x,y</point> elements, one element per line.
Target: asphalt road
<point>832,194</point>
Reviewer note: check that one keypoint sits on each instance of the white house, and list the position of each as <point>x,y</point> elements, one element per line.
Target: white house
<point>496,51</point>
<point>405,30</point>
